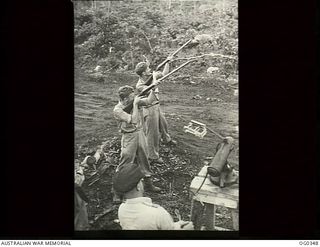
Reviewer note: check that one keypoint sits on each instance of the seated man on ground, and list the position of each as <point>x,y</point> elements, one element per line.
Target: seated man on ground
<point>138,212</point>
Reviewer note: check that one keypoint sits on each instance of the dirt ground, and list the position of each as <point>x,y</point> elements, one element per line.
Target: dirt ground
<point>182,98</point>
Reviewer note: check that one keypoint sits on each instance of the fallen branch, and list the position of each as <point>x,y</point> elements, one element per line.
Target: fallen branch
<point>112,68</point>
<point>93,174</point>
<point>82,94</point>
<point>96,179</point>
<point>105,212</point>
<point>201,77</point>
<point>170,188</point>
<point>97,175</point>
<point>234,83</point>
<point>83,117</point>
<point>209,54</point>
<point>223,87</point>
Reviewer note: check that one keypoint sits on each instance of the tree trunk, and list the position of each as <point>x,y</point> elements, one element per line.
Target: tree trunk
<point>94,5</point>
<point>132,62</point>
<point>109,7</point>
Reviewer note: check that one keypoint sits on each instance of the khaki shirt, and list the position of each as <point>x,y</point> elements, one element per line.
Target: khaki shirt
<point>125,119</point>
<point>141,86</point>
<point>141,214</point>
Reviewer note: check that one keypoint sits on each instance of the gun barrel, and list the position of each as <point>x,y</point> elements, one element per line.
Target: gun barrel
<point>128,108</point>
<point>174,53</point>
<point>147,89</point>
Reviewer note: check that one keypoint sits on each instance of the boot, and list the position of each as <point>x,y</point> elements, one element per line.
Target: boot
<point>149,186</point>
<point>156,161</point>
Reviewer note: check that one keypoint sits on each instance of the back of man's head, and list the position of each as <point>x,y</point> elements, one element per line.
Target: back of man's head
<point>127,178</point>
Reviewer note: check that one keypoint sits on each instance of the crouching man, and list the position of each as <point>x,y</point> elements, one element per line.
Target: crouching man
<point>138,212</point>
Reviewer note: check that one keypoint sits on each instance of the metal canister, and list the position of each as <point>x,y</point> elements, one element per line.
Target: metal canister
<point>220,159</point>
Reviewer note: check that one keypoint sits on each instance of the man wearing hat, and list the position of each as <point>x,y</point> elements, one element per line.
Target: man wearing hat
<point>133,142</point>
<point>138,212</point>
<point>155,123</point>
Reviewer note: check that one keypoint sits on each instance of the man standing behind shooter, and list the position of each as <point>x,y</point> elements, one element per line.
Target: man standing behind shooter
<point>133,142</point>
<point>156,126</point>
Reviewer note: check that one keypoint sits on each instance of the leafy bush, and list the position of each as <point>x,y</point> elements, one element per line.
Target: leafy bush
<point>117,34</point>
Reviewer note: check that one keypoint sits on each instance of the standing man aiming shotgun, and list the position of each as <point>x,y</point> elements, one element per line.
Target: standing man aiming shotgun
<point>156,126</point>
<point>133,142</point>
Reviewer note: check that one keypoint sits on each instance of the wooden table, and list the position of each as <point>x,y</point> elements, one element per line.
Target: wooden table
<point>210,196</point>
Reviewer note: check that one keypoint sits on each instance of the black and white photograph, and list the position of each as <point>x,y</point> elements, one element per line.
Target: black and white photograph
<point>156,130</point>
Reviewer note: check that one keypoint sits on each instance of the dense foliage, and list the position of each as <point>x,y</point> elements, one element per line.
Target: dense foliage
<point>116,34</point>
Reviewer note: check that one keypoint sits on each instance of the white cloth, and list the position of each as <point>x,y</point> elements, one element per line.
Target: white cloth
<point>141,214</point>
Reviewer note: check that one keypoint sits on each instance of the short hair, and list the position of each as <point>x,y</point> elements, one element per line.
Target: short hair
<point>141,67</point>
<point>125,91</point>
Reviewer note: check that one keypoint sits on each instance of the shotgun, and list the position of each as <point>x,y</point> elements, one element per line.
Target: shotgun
<point>145,91</point>
<point>173,54</point>
<point>149,80</point>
